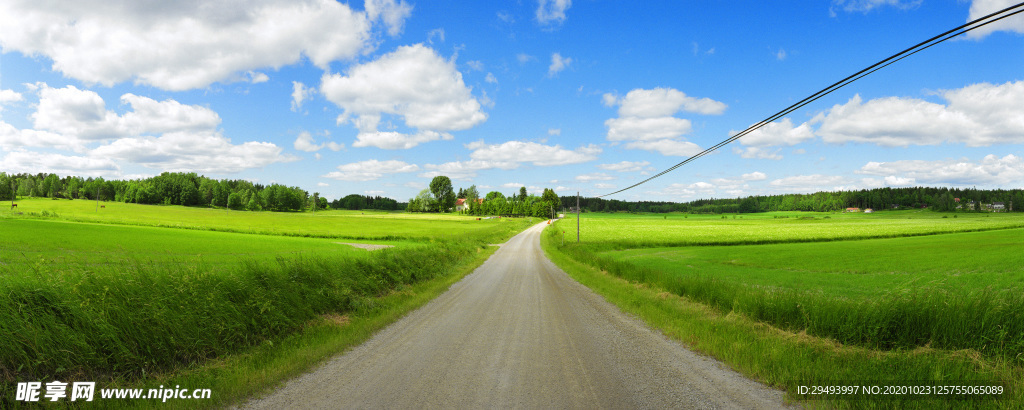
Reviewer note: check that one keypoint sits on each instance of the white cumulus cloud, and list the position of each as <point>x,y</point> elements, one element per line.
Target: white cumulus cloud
<point>625,166</point>
<point>510,155</point>
<point>34,162</point>
<point>558,64</point>
<point>9,96</point>
<point>193,152</point>
<point>464,170</point>
<point>392,13</point>
<point>776,134</point>
<point>552,11</point>
<point>414,83</point>
<point>810,183</point>
<point>646,129</point>
<point>662,102</point>
<point>754,176</point>
<point>304,142</point>
<point>982,8</point>
<point>532,152</point>
<point>646,119</point>
<point>300,93</point>
<point>989,171</point>
<point>668,147</point>
<point>977,115</point>
<point>370,170</point>
<point>181,45</point>
<point>165,135</point>
<point>397,140</point>
<point>595,176</point>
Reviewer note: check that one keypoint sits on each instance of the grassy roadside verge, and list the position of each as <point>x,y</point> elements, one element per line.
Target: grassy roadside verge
<point>236,378</point>
<point>787,360</point>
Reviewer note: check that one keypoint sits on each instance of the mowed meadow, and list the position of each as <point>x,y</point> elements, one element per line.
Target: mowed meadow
<point>121,293</point>
<point>336,224</point>
<point>917,297</point>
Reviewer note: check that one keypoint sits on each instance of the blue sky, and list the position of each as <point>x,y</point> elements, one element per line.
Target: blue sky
<point>587,95</point>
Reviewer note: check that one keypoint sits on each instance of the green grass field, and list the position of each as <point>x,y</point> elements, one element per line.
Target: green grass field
<point>131,292</point>
<point>855,269</point>
<point>625,231</point>
<point>358,225</point>
<point>58,243</point>
<point>890,285</point>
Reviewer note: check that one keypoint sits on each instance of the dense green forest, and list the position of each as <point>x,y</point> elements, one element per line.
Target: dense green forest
<point>178,188</point>
<point>938,199</point>
<point>356,202</point>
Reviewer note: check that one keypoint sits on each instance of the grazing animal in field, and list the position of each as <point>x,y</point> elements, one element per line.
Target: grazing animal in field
<point>103,206</point>
<point>13,205</point>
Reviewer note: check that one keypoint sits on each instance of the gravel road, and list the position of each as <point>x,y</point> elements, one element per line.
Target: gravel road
<point>518,332</point>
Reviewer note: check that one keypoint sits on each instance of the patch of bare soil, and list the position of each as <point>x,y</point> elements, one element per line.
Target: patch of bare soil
<point>367,246</point>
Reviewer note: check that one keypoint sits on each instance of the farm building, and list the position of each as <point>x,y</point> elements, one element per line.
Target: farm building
<point>461,205</point>
<point>998,207</point>
<point>852,210</point>
<point>868,210</point>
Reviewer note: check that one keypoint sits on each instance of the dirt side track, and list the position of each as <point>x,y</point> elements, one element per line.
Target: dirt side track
<point>518,332</point>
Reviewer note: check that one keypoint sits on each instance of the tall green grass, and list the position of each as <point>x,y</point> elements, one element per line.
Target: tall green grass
<point>905,311</point>
<point>82,321</point>
<point>787,360</point>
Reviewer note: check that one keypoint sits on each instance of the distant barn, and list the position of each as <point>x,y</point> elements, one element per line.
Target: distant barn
<point>852,210</point>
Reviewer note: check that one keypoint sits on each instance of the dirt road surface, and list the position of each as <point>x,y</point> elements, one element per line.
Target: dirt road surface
<point>519,333</point>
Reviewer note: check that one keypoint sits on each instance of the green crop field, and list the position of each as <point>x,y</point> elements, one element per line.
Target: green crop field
<point>124,292</point>
<point>359,225</point>
<point>32,242</point>
<point>894,284</point>
<point>624,231</point>
<point>853,269</point>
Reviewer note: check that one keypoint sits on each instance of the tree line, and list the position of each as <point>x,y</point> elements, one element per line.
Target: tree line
<point>179,188</point>
<point>938,199</point>
<point>357,202</point>
<point>441,197</point>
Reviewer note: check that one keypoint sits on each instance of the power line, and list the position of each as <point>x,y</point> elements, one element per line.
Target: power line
<point>972,25</point>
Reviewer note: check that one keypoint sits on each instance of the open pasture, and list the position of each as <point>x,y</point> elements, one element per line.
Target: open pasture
<point>853,269</point>
<point>35,242</point>
<point>358,225</point>
<point>626,231</point>
<point>899,280</point>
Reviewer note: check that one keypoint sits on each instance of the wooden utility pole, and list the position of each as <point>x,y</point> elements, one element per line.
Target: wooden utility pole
<point>577,216</point>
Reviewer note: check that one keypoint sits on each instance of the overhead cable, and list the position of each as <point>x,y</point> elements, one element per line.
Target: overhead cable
<point>972,25</point>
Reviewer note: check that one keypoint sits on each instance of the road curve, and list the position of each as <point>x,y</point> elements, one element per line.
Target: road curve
<point>518,332</point>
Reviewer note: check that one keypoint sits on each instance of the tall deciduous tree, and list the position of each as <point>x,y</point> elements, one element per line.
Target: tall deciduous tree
<point>472,195</point>
<point>550,198</point>
<point>425,200</point>
<point>441,187</point>
<point>6,187</point>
